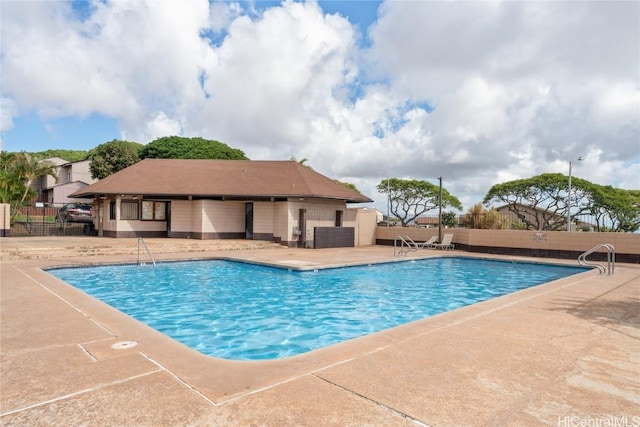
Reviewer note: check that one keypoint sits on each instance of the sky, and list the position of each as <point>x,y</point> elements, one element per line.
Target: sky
<point>478,93</point>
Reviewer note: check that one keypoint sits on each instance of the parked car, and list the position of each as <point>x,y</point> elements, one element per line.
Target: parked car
<point>75,212</point>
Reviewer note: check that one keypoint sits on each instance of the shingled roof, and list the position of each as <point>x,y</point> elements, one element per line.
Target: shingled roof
<point>246,179</point>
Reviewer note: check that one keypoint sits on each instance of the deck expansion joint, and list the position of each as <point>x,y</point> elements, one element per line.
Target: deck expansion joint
<point>177,378</point>
<point>376,402</point>
<point>80,392</point>
<point>88,353</point>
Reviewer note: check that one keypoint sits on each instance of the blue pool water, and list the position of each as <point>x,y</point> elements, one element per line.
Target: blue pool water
<point>244,311</point>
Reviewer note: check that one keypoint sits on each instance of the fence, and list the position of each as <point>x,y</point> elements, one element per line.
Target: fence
<point>502,221</point>
<point>33,221</point>
<point>539,244</point>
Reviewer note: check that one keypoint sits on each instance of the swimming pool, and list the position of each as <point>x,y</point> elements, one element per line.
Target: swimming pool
<point>243,311</point>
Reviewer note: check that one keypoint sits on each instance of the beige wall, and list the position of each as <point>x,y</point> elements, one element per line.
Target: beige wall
<point>320,213</point>
<point>117,225</point>
<point>137,225</point>
<point>197,208</point>
<point>627,243</point>
<point>282,222</point>
<point>552,240</point>
<point>222,217</point>
<point>263,217</point>
<point>364,222</point>
<point>213,219</point>
<point>80,171</point>
<point>5,219</point>
<point>182,216</point>
<point>212,216</point>
<point>102,222</point>
<point>60,193</point>
<point>47,181</point>
<point>70,172</point>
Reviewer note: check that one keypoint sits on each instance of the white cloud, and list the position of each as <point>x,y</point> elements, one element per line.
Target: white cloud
<point>222,14</point>
<point>7,112</point>
<point>273,77</point>
<point>517,86</point>
<point>156,126</point>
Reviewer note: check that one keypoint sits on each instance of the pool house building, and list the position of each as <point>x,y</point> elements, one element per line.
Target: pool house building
<point>280,201</point>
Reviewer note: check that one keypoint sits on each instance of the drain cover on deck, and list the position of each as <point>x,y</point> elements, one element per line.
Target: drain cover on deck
<point>124,344</point>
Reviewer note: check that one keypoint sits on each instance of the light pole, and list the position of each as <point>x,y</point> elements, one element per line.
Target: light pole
<point>569,197</point>
<point>440,212</point>
<point>388,203</point>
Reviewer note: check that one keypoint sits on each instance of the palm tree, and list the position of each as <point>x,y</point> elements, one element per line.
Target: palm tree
<point>10,183</point>
<point>29,168</point>
<point>301,161</point>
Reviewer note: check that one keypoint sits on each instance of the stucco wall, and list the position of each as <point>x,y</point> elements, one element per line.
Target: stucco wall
<point>123,227</point>
<point>364,222</point>
<point>102,222</point>
<point>60,193</point>
<point>132,227</point>
<point>319,214</point>
<point>181,216</point>
<point>282,222</point>
<point>546,243</point>
<point>5,219</point>
<point>197,207</point>
<point>263,218</point>
<point>552,240</point>
<point>222,217</point>
<point>214,219</point>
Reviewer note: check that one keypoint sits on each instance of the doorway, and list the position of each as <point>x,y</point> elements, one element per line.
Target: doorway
<point>302,227</point>
<point>248,221</point>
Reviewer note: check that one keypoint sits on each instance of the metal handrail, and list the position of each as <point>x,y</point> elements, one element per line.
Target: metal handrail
<point>611,258</point>
<point>141,240</point>
<point>405,246</point>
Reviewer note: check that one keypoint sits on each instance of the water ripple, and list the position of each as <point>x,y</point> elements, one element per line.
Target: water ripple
<point>251,312</point>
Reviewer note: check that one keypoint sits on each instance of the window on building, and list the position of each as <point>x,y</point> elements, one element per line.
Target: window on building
<point>112,210</point>
<point>153,211</point>
<point>338,218</point>
<point>129,209</point>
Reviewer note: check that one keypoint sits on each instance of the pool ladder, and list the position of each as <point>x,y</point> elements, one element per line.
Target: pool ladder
<point>141,240</point>
<point>611,258</point>
<point>401,246</point>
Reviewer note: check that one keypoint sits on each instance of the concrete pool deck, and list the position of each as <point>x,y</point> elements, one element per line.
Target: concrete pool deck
<point>562,353</point>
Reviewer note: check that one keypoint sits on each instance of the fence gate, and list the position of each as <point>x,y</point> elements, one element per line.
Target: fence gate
<point>35,221</point>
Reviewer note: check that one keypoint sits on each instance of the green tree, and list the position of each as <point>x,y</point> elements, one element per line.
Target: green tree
<point>68,155</point>
<point>449,219</point>
<point>348,185</point>
<point>113,156</point>
<point>620,207</point>
<point>17,173</point>
<point>11,183</point>
<point>411,198</point>
<point>544,194</point>
<point>29,168</point>
<point>177,147</point>
<point>630,222</point>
